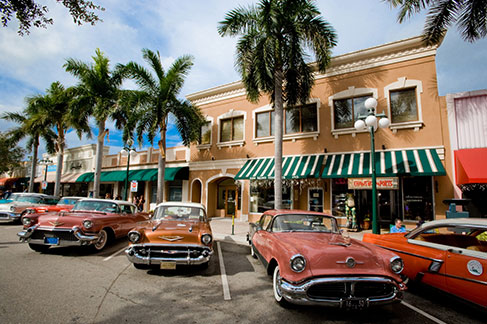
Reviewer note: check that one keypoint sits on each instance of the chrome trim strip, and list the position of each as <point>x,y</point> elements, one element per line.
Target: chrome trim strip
<point>465,279</point>
<point>411,254</point>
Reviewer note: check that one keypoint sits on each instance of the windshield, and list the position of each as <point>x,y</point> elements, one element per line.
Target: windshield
<point>30,199</point>
<point>102,206</point>
<point>304,223</point>
<point>67,201</point>
<point>179,212</point>
<point>13,197</point>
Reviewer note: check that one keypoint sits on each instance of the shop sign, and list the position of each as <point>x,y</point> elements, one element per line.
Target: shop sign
<point>134,186</point>
<point>366,183</point>
<point>44,185</point>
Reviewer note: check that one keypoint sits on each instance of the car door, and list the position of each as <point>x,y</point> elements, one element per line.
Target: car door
<point>260,237</point>
<point>128,216</point>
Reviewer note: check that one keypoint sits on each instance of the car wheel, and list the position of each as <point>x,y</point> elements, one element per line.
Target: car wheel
<point>276,281</point>
<point>252,252</point>
<point>39,247</point>
<point>102,240</point>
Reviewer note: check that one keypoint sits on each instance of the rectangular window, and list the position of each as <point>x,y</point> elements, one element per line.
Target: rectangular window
<point>264,124</point>
<point>232,129</point>
<point>418,198</point>
<point>348,110</point>
<point>262,198</point>
<point>403,105</point>
<point>301,119</point>
<point>205,133</point>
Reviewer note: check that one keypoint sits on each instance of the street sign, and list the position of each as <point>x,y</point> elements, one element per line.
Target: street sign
<point>44,185</point>
<point>134,186</point>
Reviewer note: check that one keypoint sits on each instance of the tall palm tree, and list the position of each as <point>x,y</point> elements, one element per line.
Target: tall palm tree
<point>272,58</point>
<point>54,110</point>
<point>96,95</point>
<point>32,129</point>
<point>157,99</point>
<point>470,16</point>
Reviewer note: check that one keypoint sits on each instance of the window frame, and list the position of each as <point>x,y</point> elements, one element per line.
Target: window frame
<point>207,146</point>
<point>232,114</point>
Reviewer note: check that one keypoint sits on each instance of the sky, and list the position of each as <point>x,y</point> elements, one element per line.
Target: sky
<point>29,64</point>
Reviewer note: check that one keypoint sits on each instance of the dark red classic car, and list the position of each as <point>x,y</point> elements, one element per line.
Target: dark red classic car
<point>64,204</point>
<point>91,222</point>
<point>313,263</point>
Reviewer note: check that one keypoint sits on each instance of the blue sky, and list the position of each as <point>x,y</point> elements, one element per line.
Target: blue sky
<point>29,64</point>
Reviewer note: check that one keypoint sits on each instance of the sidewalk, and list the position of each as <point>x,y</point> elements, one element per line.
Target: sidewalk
<point>222,231</point>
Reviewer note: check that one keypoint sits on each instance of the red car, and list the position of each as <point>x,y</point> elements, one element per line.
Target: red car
<point>92,222</point>
<point>313,263</point>
<point>64,204</point>
<point>448,254</point>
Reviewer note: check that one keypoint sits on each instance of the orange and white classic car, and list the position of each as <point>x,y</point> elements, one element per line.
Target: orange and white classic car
<point>178,234</point>
<point>448,254</point>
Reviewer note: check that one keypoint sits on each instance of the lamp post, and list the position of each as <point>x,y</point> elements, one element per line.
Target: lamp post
<point>47,163</point>
<point>370,122</point>
<point>127,150</point>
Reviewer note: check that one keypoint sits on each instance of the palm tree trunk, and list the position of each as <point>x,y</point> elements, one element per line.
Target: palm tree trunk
<point>278,139</point>
<point>60,158</point>
<point>34,164</point>
<point>162,165</point>
<point>99,159</point>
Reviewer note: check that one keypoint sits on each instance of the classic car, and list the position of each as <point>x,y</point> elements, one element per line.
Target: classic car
<point>313,263</point>
<point>448,254</point>
<point>19,202</point>
<point>64,204</point>
<point>91,222</point>
<point>178,234</point>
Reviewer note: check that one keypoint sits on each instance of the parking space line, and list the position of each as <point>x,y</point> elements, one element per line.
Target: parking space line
<point>431,317</point>
<point>114,254</point>
<point>226,288</point>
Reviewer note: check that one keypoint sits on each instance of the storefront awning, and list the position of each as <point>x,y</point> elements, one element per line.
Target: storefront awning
<point>7,181</point>
<point>470,166</point>
<point>418,162</point>
<point>138,175</point>
<point>51,177</point>
<point>70,177</point>
<point>293,167</point>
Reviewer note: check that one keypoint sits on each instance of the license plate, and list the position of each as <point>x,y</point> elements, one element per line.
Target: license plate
<point>168,265</point>
<point>51,240</point>
<point>355,303</point>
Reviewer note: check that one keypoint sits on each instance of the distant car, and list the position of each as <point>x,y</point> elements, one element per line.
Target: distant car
<point>449,254</point>
<point>178,234</point>
<point>312,263</point>
<point>18,202</point>
<point>91,222</point>
<point>64,204</point>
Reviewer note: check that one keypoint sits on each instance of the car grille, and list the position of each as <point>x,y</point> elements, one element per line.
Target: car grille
<point>359,289</point>
<point>62,235</point>
<point>174,252</point>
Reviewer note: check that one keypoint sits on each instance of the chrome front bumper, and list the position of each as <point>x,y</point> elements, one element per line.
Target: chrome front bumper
<point>78,238</point>
<point>180,254</point>
<point>298,293</point>
<point>9,216</point>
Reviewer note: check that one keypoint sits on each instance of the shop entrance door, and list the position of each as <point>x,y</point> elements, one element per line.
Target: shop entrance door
<point>230,200</point>
<point>387,201</point>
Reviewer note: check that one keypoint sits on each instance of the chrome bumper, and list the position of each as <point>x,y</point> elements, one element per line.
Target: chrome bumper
<point>135,256</point>
<point>9,216</point>
<point>81,239</point>
<point>297,293</point>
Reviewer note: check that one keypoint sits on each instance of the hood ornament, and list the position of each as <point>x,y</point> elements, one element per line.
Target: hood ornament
<point>56,223</point>
<point>171,238</point>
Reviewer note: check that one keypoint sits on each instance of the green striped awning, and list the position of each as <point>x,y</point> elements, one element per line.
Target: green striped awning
<point>139,175</point>
<point>417,162</point>
<point>293,167</point>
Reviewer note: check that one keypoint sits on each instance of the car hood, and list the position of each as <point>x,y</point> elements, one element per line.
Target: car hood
<point>64,220</point>
<point>173,231</point>
<point>7,206</point>
<point>326,254</point>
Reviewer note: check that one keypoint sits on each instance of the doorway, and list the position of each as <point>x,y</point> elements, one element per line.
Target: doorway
<point>228,197</point>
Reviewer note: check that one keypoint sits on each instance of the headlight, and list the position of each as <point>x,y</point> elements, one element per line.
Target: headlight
<point>26,221</point>
<point>396,264</point>
<point>206,239</point>
<point>134,237</point>
<point>12,208</point>
<point>298,263</point>
<point>87,224</point>
<point>30,211</point>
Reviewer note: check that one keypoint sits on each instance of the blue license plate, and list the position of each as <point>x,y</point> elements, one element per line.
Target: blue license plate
<point>51,240</point>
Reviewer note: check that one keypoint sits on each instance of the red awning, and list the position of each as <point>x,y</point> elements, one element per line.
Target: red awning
<point>470,166</point>
<point>7,181</point>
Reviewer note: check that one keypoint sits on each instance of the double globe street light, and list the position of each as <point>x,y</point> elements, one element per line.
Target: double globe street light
<point>128,151</point>
<point>372,122</point>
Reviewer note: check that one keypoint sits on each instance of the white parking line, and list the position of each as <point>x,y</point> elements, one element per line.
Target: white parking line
<point>226,288</point>
<point>114,254</point>
<point>431,317</point>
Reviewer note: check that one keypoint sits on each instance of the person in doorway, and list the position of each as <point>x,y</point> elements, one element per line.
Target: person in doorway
<point>140,205</point>
<point>108,196</point>
<point>398,227</point>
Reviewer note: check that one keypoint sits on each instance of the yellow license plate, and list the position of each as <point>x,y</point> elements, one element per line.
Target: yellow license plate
<point>168,265</point>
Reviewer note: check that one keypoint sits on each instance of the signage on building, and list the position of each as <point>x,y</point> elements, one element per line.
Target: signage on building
<point>134,186</point>
<point>44,185</point>
<point>391,183</point>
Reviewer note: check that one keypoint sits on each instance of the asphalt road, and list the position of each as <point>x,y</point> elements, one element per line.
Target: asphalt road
<point>73,285</point>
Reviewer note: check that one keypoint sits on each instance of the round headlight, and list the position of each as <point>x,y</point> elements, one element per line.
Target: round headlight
<point>30,211</point>
<point>26,221</point>
<point>298,263</point>
<point>134,237</point>
<point>12,208</point>
<point>206,239</point>
<point>397,264</point>
<point>87,224</point>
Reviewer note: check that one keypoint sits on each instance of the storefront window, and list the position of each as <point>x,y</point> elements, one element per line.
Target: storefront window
<point>262,197</point>
<point>339,196</point>
<point>418,198</point>
<point>175,191</point>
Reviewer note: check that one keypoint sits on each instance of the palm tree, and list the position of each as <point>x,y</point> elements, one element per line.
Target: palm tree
<point>157,99</point>
<point>271,57</point>
<point>469,16</point>
<point>32,129</point>
<point>54,110</point>
<point>96,95</point>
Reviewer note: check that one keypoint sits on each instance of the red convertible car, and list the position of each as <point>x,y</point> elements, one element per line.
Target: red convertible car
<point>91,222</point>
<point>313,263</point>
<point>448,254</point>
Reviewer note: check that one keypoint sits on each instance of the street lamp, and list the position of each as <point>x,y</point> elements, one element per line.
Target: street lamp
<point>127,151</point>
<point>47,163</point>
<point>370,121</point>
